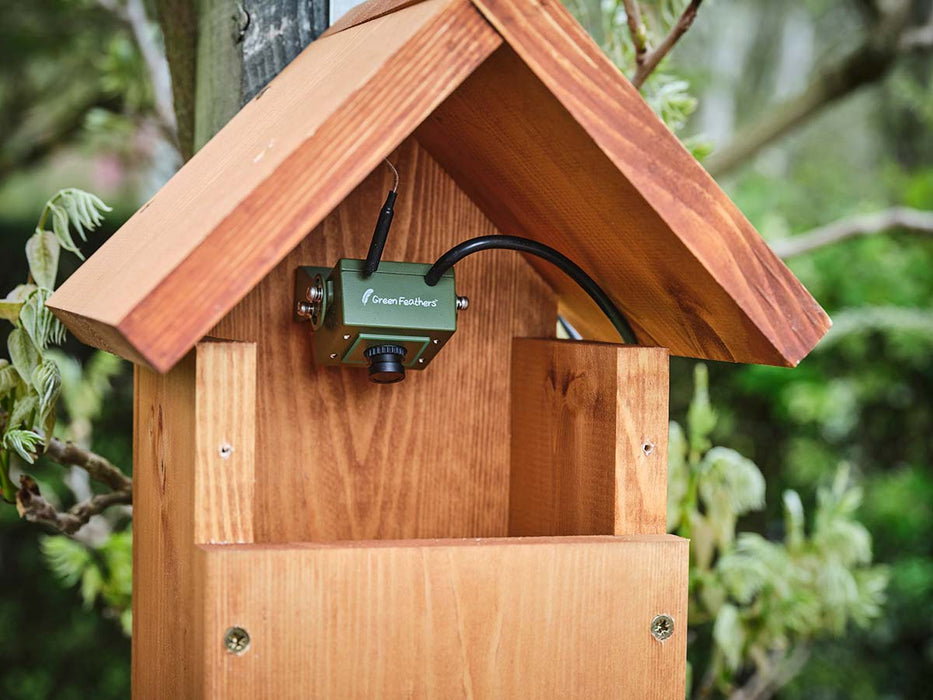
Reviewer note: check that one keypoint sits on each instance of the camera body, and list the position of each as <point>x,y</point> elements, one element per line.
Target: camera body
<point>390,320</point>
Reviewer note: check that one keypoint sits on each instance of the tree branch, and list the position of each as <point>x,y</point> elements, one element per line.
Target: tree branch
<point>636,28</point>
<point>98,468</point>
<point>919,39</point>
<point>913,220</point>
<point>765,683</point>
<point>35,509</point>
<point>133,14</point>
<point>867,64</point>
<point>179,22</point>
<point>651,60</point>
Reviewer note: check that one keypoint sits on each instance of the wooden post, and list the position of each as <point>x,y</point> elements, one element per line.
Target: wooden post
<point>589,439</point>
<point>194,457</point>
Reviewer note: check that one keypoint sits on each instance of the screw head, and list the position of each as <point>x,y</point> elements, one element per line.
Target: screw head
<point>315,293</point>
<point>346,336</point>
<point>225,450</point>
<point>236,640</point>
<point>333,356</point>
<point>420,360</point>
<point>662,627</point>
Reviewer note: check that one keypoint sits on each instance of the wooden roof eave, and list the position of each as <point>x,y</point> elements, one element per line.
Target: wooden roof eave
<point>722,295</point>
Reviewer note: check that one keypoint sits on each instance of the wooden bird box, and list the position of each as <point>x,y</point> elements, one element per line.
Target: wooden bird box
<point>494,526</point>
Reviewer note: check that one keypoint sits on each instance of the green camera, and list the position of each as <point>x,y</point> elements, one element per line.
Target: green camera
<point>388,321</point>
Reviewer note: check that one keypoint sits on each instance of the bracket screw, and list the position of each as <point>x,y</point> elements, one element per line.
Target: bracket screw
<point>662,627</point>
<point>315,294</point>
<point>236,640</point>
<point>463,303</point>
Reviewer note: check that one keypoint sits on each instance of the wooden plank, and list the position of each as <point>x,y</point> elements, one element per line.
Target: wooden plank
<point>553,144</point>
<point>185,492</point>
<point>189,254</point>
<point>226,442</point>
<point>548,618</point>
<point>586,83</point>
<point>425,458</point>
<point>589,439</point>
<point>167,651</point>
<point>366,11</point>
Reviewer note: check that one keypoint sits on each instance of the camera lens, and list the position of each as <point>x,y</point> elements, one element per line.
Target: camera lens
<point>385,363</point>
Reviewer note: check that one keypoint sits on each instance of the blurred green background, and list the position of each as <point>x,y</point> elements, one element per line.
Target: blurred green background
<point>79,106</point>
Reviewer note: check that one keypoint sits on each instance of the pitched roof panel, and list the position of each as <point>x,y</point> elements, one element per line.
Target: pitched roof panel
<point>541,130</point>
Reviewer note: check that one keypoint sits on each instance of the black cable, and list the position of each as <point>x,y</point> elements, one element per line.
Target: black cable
<point>526,245</point>
<point>383,223</point>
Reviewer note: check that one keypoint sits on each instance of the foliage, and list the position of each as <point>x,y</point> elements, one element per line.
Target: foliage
<point>30,383</point>
<point>103,573</point>
<point>668,94</point>
<point>759,600</point>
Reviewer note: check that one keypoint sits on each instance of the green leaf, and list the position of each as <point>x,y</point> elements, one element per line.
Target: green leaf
<point>47,382</point>
<point>793,520</point>
<point>67,558</point>
<point>37,320</point>
<point>23,414</point>
<point>60,227</point>
<point>701,419</point>
<point>24,353</point>
<point>729,635</point>
<point>9,310</point>
<point>92,582</point>
<point>21,292</point>
<point>42,253</point>
<point>23,442</point>
<point>9,377</point>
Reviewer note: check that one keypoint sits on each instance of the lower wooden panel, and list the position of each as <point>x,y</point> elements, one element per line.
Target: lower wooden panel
<point>509,618</point>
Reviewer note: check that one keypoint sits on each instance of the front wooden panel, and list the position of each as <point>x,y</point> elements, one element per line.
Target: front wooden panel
<point>589,439</point>
<point>523,618</point>
<point>340,458</point>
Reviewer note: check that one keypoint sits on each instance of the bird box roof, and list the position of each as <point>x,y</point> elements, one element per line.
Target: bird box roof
<point>529,117</point>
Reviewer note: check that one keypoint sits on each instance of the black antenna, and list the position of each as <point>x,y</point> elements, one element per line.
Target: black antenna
<point>381,232</point>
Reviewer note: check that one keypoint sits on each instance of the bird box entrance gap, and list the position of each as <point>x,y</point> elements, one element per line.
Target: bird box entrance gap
<point>494,525</point>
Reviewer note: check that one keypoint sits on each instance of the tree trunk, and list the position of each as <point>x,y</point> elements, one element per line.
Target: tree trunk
<point>222,52</point>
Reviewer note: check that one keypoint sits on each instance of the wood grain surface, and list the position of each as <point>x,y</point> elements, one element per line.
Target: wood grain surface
<point>485,618</point>
<point>270,176</point>
<point>523,618</point>
<point>167,654</point>
<point>341,458</point>
<point>546,136</point>
<point>706,286</point>
<point>589,439</point>
<point>225,415</point>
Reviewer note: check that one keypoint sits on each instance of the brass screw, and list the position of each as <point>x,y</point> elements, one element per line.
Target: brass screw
<point>662,627</point>
<point>236,640</point>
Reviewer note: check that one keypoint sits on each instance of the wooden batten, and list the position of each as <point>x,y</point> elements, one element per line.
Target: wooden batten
<point>589,439</point>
